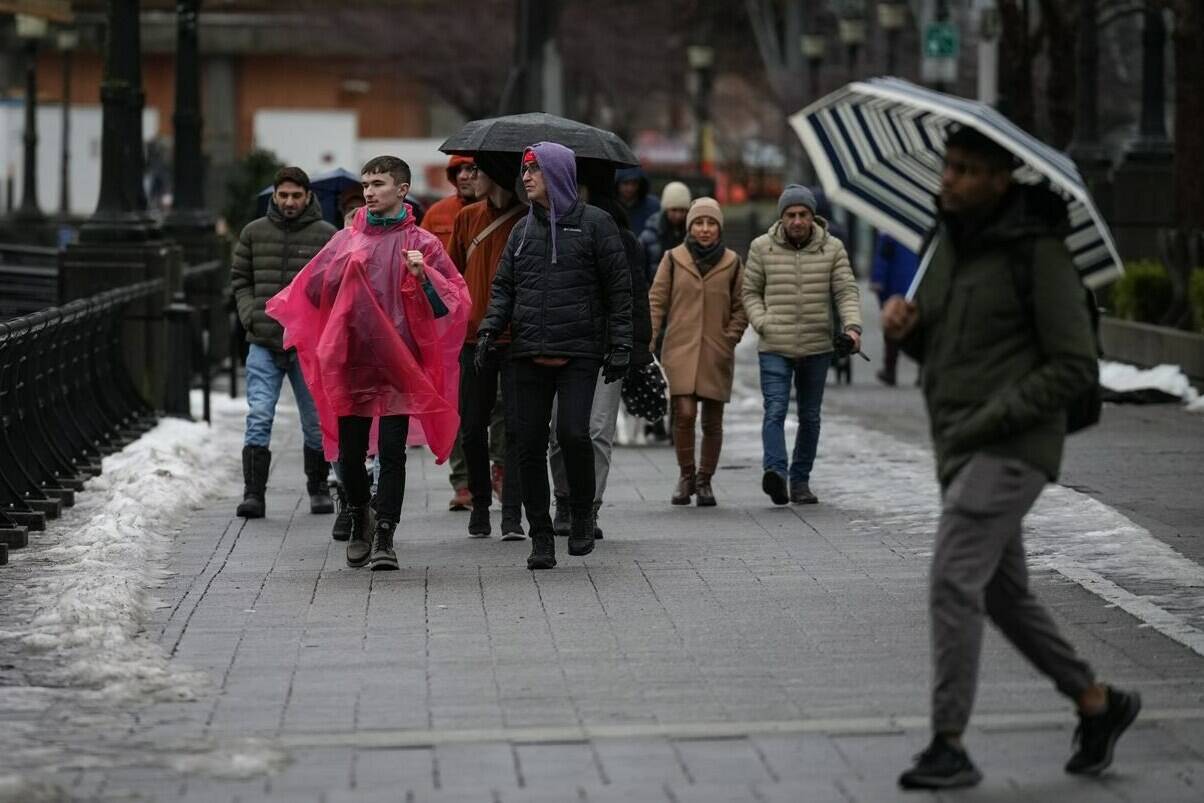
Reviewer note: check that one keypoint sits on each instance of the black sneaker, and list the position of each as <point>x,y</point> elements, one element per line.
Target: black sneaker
<point>1095,737</point>
<point>512,526</point>
<point>543,552</point>
<point>941,766</point>
<point>478,522</point>
<point>774,484</point>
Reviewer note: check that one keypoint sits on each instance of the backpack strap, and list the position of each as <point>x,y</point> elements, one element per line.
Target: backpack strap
<point>490,229</point>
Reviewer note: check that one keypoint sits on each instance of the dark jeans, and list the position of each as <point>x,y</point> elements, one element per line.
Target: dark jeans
<point>809,375</point>
<point>478,395</point>
<point>571,386</point>
<point>391,447</point>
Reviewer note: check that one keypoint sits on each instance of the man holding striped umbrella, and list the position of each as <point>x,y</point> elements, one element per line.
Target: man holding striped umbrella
<point>1000,325</point>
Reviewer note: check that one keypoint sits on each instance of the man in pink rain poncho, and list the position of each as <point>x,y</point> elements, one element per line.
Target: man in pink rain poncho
<point>378,320</point>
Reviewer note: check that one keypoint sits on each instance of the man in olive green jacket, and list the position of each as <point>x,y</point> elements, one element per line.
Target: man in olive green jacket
<point>796,273</point>
<point>1002,329</point>
<point>270,252</point>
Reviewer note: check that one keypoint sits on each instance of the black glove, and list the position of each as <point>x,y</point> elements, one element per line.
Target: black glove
<point>842,344</point>
<point>615,366</point>
<point>484,347</point>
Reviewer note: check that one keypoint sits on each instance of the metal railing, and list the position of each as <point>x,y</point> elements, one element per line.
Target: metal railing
<point>29,279</point>
<point>66,400</point>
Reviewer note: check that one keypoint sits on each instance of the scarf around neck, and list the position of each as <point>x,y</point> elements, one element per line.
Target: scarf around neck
<point>705,257</point>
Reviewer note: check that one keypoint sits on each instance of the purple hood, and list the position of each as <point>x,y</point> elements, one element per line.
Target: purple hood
<point>559,166</point>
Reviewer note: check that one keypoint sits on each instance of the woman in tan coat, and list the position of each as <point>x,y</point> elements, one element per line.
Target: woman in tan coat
<point>696,300</point>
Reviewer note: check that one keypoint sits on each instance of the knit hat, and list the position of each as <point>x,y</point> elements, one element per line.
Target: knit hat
<point>704,206</point>
<point>675,195</point>
<point>796,195</point>
<point>454,164</point>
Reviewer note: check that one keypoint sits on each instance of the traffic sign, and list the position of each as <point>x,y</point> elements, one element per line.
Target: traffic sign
<point>941,40</point>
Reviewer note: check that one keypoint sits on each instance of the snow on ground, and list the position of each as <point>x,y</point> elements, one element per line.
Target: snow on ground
<point>1168,379</point>
<point>894,483</point>
<point>79,597</point>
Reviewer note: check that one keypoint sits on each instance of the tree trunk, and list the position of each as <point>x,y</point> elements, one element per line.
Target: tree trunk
<point>1061,83</point>
<point>1016,65</point>
<point>1189,114</point>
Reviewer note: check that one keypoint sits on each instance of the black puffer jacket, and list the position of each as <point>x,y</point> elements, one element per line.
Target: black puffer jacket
<point>578,307</point>
<point>271,251</point>
<point>641,315</point>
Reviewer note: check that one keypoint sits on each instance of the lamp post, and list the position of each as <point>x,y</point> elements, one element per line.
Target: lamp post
<point>67,41</point>
<point>852,30</point>
<point>813,46</point>
<point>891,19</point>
<point>30,30</point>
<point>701,59</point>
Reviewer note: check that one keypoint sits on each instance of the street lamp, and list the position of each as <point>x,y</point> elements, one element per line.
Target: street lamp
<point>701,59</point>
<point>67,41</point>
<point>813,46</point>
<point>892,17</point>
<point>30,30</point>
<point>851,28</point>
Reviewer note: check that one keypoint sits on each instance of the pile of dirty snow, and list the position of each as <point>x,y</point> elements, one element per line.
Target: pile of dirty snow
<point>1143,385</point>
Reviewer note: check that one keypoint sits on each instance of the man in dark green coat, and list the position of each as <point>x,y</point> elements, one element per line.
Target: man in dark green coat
<point>1003,331</point>
<point>271,251</point>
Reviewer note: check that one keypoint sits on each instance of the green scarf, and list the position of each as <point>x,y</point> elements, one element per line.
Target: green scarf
<point>377,220</point>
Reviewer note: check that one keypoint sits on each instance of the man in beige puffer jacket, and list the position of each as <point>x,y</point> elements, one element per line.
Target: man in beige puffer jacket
<point>795,272</point>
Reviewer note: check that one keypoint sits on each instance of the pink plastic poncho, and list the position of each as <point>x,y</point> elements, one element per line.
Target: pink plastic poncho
<point>367,338</point>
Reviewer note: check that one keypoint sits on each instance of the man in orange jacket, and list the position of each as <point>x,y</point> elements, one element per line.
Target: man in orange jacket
<point>439,221</point>
<point>477,243</point>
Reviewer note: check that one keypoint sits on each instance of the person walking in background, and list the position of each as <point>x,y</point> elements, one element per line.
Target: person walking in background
<point>271,251</point>
<point>632,188</point>
<point>666,229</point>
<point>440,220</point>
<point>604,412</point>
<point>478,239</point>
<point>1002,327</point>
<point>696,300</point>
<point>564,289</point>
<point>795,272</point>
<point>893,269</point>
<point>378,320</point>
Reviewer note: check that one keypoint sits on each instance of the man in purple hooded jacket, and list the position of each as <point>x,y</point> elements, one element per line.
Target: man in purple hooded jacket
<point>563,286</point>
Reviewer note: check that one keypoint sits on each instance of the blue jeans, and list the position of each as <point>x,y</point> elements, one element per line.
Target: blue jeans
<point>266,370</point>
<point>809,374</point>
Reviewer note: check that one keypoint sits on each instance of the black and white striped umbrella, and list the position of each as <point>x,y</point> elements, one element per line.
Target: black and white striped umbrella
<point>878,148</point>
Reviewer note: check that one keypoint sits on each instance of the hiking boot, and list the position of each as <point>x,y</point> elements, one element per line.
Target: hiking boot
<point>581,535</point>
<point>341,530</point>
<point>940,766</point>
<point>687,486</point>
<point>359,542</point>
<point>800,494</point>
<point>512,525</point>
<point>543,552</point>
<point>706,497</point>
<point>478,522</point>
<point>1096,735</point>
<point>562,522</point>
<point>317,472</point>
<point>597,529</point>
<point>461,500</point>
<point>774,484</point>
<point>256,460</point>
<point>497,478</point>
<point>383,558</point>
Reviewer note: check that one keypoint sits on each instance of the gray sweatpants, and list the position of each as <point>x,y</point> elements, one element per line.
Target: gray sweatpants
<point>603,419</point>
<point>979,566</point>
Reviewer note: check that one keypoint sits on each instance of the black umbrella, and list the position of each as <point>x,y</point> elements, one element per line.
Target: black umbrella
<point>515,132</point>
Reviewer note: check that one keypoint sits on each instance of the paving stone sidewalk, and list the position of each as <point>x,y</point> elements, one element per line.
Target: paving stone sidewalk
<point>743,653</point>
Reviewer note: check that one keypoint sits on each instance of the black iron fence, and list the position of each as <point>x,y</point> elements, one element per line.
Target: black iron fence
<point>66,400</point>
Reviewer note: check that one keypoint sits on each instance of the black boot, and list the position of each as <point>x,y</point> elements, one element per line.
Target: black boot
<point>341,530</point>
<point>512,524</point>
<point>581,534</point>
<point>562,521</point>
<point>317,470</point>
<point>597,529</point>
<point>478,522</point>
<point>256,460</point>
<point>543,551</point>
<point>359,544</point>
<point>706,496</point>
<point>383,557</point>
